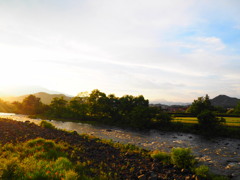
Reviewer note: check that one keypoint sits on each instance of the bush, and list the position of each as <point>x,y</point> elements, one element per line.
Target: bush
<point>35,159</point>
<point>202,171</point>
<point>71,175</point>
<point>161,156</point>
<point>44,149</point>
<point>209,122</point>
<point>46,124</point>
<point>182,158</point>
<point>163,118</point>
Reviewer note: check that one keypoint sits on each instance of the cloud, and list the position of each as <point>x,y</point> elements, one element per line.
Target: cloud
<point>158,48</point>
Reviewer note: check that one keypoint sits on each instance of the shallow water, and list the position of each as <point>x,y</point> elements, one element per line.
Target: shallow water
<point>222,155</point>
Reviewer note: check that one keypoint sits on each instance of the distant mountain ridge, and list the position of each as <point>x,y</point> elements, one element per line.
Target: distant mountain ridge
<point>46,98</point>
<point>224,101</point>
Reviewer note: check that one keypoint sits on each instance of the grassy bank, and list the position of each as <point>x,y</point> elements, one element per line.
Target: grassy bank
<point>29,151</point>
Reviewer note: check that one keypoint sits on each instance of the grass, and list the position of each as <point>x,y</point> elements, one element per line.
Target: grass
<point>230,121</point>
<point>35,159</point>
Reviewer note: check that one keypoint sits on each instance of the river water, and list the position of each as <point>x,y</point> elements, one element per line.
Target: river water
<point>222,155</point>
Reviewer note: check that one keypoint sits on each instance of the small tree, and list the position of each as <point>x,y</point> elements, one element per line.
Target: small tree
<point>200,105</point>
<point>163,118</point>
<point>237,109</point>
<point>31,105</point>
<point>208,121</point>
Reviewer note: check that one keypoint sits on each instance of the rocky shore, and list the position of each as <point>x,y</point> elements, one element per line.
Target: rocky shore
<point>123,164</point>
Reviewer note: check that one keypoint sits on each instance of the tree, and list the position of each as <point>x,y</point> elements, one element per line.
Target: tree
<point>98,104</point>
<point>31,105</point>
<point>208,121</point>
<point>58,108</point>
<point>237,109</point>
<point>200,105</point>
<point>79,107</point>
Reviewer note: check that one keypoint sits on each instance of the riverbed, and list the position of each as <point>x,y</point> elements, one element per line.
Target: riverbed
<point>222,155</point>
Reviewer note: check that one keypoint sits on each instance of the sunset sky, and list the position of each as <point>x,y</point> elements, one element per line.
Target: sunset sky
<point>173,50</point>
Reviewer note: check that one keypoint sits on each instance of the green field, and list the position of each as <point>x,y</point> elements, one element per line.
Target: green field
<point>230,121</point>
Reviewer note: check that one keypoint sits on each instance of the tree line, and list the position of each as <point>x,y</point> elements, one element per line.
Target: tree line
<point>128,110</point>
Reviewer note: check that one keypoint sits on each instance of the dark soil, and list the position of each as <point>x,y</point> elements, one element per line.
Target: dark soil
<point>126,165</point>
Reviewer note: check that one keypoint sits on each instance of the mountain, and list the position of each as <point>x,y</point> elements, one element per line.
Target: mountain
<point>20,90</point>
<point>224,101</point>
<point>45,97</point>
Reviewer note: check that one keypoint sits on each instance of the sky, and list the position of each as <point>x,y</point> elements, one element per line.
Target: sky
<point>173,51</point>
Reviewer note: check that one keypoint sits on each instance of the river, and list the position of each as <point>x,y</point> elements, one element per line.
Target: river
<point>222,155</point>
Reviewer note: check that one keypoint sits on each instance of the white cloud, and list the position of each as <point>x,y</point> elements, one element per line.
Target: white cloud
<point>120,45</point>
<point>211,43</point>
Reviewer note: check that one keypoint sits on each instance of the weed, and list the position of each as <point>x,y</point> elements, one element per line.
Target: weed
<point>202,171</point>
<point>46,124</point>
<point>182,158</point>
<point>164,157</point>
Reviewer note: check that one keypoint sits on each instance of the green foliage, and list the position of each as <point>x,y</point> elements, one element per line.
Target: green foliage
<point>46,124</point>
<point>164,157</point>
<point>58,108</point>
<point>163,118</point>
<point>44,149</point>
<point>202,171</point>
<point>237,109</point>
<point>31,105</point>
<point>183,158</point>
<point>208,121</point>
<point>71,175</point>
<point>35,159</point>
<point>200,105</point>
<point>125,111</point>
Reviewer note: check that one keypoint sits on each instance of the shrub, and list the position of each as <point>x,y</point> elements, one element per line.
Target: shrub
<point>163,118</point>
<point>202,171</point>
<point>71,175</point>
<point>164,157</point>
<point>44,149</point>
<point>208,121</point>
<point>8,168</point>
<point>46,124</point>
<point>182,158</point>
<point>35,159</point>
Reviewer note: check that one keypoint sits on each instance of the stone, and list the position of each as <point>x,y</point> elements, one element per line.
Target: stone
<point>154,167</point>
<point>153,176</point>
<point>142,177</point>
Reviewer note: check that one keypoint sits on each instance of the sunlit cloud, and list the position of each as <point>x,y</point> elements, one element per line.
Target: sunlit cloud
<point>173,50</point>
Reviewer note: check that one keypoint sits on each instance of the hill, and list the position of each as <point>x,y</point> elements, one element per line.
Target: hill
<point>45,97</point>
<point>224,101</point>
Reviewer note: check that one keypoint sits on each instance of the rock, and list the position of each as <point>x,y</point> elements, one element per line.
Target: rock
<point>187,178</point>
<point>142,171</point>
<point>154,167</point>
<point>142,177</point>
<point>233,165</point>
<point>153,176</point>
